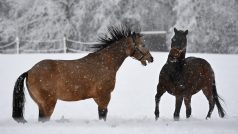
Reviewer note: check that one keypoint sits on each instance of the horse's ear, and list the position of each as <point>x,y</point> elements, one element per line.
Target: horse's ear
<point>175,30</point>
<point>133,35</point>
<point>186,32</point>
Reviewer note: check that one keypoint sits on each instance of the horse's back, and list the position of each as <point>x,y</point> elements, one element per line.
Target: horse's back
<point>196,60</point>
<point>198,67</point>
<point>197,63</point>
<point>43,68</point>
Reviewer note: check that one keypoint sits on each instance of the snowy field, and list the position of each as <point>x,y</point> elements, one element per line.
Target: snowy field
<point>131,109</point>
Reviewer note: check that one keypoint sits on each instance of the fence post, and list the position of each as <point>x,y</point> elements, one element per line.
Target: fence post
<point>17,44</point>
<point>64,41</point>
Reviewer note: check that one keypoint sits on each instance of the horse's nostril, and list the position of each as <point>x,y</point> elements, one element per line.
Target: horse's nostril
<point>150,59</point>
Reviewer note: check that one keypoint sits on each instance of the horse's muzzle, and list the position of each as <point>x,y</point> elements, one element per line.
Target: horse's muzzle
<point>147,59</point>
<point>175,53</point>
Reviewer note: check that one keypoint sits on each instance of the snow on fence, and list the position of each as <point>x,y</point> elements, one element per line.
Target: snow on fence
<point>153,32</point>
<point>64,40</point>
<point>64,49</point>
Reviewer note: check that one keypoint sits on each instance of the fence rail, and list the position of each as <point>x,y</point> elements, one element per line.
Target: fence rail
<point>64,40</point>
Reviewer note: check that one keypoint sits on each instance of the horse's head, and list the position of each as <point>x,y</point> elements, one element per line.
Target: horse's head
<point>137,49</point>
<point>179,44</point>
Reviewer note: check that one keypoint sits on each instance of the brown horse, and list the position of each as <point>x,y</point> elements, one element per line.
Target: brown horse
<point>184,77</point>
<point>92,76</point>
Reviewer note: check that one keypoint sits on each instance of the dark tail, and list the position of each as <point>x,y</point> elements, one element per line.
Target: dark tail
<point>217,99</point>
<point>19,99</point>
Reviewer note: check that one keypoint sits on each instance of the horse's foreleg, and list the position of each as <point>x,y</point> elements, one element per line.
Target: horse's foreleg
<point>103,102</point>
<point>158,95</point>
<point>179,100</point>
<point>187,101</point>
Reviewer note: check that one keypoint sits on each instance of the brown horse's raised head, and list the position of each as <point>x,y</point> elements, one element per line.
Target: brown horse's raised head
<point>128,42</point>
<point>179,44</point>
<point>137,49</point>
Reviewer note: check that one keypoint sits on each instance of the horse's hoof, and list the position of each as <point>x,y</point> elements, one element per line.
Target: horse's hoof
<point>156,115</point>
<point>20,120</point>
<point>43,119</point>
<point>103,118</point>
<point>208,118</point>
<point>156,118</point>
<point>176,118</point>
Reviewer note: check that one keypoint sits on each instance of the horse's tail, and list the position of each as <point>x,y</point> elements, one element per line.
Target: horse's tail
<point>217,99</point>
<point>19,99</point>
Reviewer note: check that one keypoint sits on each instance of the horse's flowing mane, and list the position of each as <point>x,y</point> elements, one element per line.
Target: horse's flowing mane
<point>114,33</point>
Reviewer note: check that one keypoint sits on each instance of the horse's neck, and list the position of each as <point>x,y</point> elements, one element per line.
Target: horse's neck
<point>113,56</point>
<point>180,59</point>
<point>175,65</point>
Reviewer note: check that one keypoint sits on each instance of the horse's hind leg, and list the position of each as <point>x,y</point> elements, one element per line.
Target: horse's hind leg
<point>211,106</point>
<point>209,96</point>
<point>179,100</point>
<point>187,102</point>
<point>102,102</point>
<point>160,92</point>
<point>46,109</point>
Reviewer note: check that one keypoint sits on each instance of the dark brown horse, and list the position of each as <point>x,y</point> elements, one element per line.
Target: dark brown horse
<point>184,77</point>
<point>92,76</point>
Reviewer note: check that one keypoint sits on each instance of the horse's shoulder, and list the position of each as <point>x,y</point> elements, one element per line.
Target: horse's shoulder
<point>165,66</point>
<point>165,71</point>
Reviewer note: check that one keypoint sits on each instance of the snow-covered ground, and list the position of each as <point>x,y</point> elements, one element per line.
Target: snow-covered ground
<point>132,103</point>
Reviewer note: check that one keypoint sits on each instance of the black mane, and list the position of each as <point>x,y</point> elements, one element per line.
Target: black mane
<point>114,33</point>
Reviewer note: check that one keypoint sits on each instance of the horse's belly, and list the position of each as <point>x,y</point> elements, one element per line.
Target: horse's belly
<point>76,90</point>
<point>70,98</point>
<point>177,91</point>
<point>75,94</point>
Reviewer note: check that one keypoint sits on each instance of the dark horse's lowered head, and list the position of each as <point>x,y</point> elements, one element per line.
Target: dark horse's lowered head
<point>184,77</point>
<point>92,76</point>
